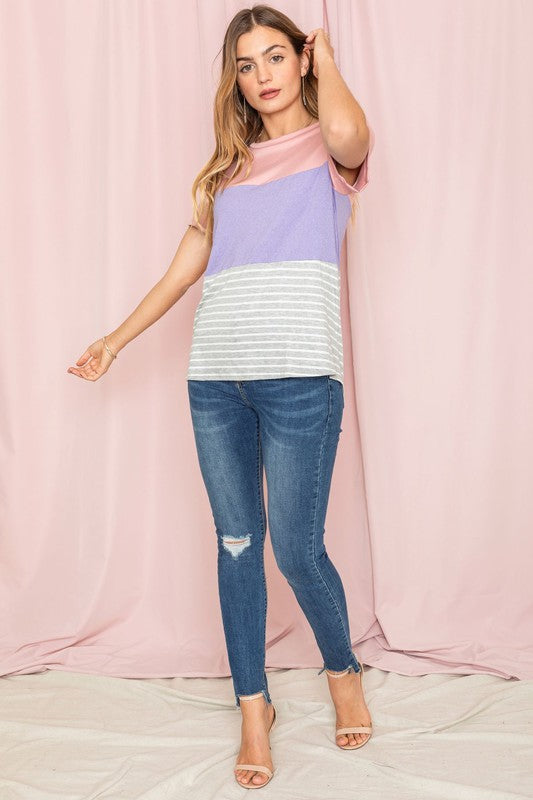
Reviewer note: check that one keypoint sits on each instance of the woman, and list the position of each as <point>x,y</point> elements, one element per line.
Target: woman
<point>265,378</point>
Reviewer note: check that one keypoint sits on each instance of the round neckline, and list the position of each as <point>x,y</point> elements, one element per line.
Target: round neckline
<point>285,136</point>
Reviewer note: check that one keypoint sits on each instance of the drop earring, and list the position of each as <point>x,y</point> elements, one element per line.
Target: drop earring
<point>303,92</point>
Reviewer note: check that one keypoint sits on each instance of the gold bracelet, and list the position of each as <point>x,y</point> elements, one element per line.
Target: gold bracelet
<point>107,348</point>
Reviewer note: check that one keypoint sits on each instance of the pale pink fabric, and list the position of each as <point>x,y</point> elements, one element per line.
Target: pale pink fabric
<point>108,555</point>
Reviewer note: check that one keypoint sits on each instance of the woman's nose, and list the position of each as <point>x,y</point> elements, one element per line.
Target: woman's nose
<point>263,78</point>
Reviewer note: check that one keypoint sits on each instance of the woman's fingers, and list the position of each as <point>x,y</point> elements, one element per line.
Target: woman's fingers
<point>81,364</point>
<point>93,363</point>
<point>83,358</point>
<point>87,372</point>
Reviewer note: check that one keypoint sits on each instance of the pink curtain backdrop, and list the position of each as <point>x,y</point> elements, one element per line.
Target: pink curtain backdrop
<point>108,550</point>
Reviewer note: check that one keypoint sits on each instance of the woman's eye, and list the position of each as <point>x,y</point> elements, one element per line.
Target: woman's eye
<point>243,69</point>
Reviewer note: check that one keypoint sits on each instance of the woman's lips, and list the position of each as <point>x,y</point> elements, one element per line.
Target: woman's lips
<point>268,95</point>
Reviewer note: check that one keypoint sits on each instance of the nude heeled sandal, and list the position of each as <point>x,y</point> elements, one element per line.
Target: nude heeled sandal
<point>257,767</point>
<point>353,728</point>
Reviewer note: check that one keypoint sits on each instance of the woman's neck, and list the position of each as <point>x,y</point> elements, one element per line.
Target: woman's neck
<point>264,137</point>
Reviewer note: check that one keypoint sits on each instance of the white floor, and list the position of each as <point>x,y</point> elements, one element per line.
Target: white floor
<point>71,736</point>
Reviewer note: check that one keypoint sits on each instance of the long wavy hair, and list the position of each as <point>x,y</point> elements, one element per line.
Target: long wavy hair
<point>232,133</point>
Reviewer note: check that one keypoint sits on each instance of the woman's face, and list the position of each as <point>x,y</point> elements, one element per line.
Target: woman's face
<point>278,68</point>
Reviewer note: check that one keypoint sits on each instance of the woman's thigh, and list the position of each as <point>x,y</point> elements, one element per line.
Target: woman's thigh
<point>226,432</point>
<point>300,424</point>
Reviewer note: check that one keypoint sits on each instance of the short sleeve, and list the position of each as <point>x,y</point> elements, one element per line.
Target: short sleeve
<point>361,180</point>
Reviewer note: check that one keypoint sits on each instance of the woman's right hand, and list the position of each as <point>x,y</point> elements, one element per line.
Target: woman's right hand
<point>94,362</point>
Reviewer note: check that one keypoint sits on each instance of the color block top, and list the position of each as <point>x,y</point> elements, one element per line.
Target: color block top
<point>270,304</point>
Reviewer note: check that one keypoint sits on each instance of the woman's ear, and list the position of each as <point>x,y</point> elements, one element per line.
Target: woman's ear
<point>306,59</point>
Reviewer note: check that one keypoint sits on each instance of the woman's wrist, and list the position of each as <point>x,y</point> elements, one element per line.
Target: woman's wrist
<point>113,343</point>
<point>324,59</point>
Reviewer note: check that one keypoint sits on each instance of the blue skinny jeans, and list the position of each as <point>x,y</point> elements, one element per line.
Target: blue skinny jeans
<point>290,427</point>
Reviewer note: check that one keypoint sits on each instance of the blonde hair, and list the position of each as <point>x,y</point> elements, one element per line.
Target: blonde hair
<point>232,134</point>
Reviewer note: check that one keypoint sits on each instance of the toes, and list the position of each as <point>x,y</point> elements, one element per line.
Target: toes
<point>351,739</point>
<point>245,776</point>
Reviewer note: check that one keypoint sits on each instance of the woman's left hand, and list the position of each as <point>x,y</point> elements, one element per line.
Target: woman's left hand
<point>318,42</point>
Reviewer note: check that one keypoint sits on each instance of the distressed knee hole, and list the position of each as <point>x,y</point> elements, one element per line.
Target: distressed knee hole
<point>235,545</point>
